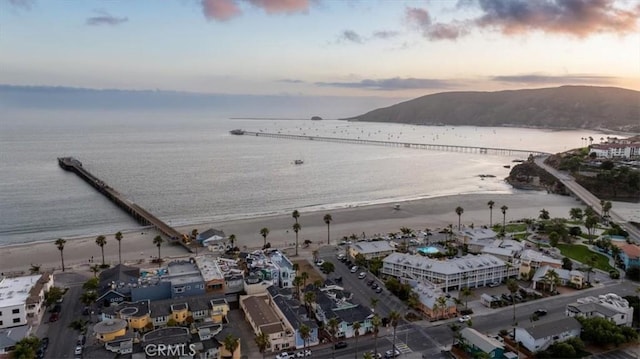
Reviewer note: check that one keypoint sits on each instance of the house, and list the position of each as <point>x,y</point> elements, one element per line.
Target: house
<point>263,318</point>
<point>114,284</point>
<point>479,343</point>
<point>539,336</point>
<point>110,329</point>
<point>433,303</point>
<point>476,238</point>
<point>609,306</point>
<point>22,298</point>
<point>334,302</point>
<point>370,250</point>
<point>531,261</point>
<point>10,336</point>
<point>271,265</point>
<point>211,235</point>
<point>573,278</point>
<point>618,149</point>
<point>629,253</point>
<point>294,314</point>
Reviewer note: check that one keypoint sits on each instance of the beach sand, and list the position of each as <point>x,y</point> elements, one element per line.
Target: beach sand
<point>431,213</point>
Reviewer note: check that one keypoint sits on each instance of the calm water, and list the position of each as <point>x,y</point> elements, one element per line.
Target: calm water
<point>187,169</point>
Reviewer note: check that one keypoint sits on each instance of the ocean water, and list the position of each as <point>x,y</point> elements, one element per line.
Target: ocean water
<point>187,169</point>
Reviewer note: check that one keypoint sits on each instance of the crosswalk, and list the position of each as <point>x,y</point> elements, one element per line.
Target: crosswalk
<point>400,345</point>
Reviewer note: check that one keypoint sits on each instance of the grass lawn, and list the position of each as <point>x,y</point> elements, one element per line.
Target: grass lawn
<point>581,253</point>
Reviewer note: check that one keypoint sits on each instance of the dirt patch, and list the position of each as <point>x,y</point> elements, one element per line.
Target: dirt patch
<point>306,266</point>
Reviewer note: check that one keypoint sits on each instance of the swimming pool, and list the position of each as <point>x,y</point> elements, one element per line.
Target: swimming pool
<point>428,250</point>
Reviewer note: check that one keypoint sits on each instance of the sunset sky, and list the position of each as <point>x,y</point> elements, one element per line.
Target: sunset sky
<point>320,47</point>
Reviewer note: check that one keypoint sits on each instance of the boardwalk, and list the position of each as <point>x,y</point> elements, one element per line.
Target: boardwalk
<point>412,145</point>
<point>140,214</point>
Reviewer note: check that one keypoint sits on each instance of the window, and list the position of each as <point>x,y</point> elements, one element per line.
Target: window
<point>16,320</point>
<point>15,311</point>
<point>188,287</point>
<point>1,323</point>
<point>179,289</point>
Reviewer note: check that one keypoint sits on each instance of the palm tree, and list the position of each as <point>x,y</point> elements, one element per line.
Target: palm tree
<point>297,282</point>
<point>356,332</point>
<point>332,326</point>
<point>459,212</point>
<point>327,219</point>
<point>544,214</point>
<point>295,215</point>
<point>88,297</point>
<point>309,299</point>
<point>590,262</point>
<point>232,239</point>
<point>60,244</point>
<point>264,232</point>
<point>158,242</point>
<point>95,269</point>
<point>394,317</point>
<point>119,239</point>
<point>231,343</point>
<point>442,304</point>
<point>513,287</point>
<point>296,228</point>
<point>374,303</point>
<point>375,324</point>
<point>465,292</point>
<point>554,279</point>
<point>305,334</point>
<point>263,342</point>
<point>504,218</point>
<point>101,241</point>
<point>304,276</point>
<point>490,204</point>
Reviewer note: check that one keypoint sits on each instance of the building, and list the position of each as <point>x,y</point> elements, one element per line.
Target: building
<point>370,250</point>
<point>271,265</point>
<point>110,329</point>
<point>10,336</point>
<point>263,318</point>
<point>609,306</point>
<point>467,271</point>
<point>506,249</point>
<point>210,236</point>
<point>115,284</point>
<point>629,253</point>
<point>22,298</point>
<point>433,303</point>
<point>572,278</point>
<point>539,336</point>
<point>214,280</point>
<point>476,238</point>
<point>616,150</point>
<point>333,301</point>
<point>531,261</point>
<point>479,343</point>
<point>294,315</point>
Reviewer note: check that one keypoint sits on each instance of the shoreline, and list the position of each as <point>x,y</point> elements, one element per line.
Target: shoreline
<point>432,212</point>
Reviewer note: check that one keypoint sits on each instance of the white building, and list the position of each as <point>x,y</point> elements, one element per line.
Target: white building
<point>467,271</point>
<point>370,250</point>
<point>616,150</point>
<point>22,298</point>
<point>540,336</point>
<point>609,306</point>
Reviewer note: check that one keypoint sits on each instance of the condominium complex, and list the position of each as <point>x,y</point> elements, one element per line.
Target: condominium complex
<point>22,298</point>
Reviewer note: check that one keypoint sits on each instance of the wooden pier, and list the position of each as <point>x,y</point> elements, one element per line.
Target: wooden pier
<point>140,214</point>
<point>420,146</point>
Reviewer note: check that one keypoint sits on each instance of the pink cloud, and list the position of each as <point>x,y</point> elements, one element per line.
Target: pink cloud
<point>418,17</point>
<point>220,10</point>
<point>281,6</point>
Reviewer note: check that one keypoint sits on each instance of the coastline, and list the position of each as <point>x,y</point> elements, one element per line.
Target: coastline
<point>431,212</point>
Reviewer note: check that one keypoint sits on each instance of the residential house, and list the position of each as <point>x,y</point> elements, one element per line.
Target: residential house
<point>475,238</point>
<point>609,306</point>
<point>10,336</point>
<point>214,279</point>
<point>36,303</point>
<point>370,250</point>
<point>433,303</point>
<point>271,265</point>
<point>531,261</point>
<point>263,318</point>
<point>539,336</point>
<point>210,236</point>
<point>573,278</point>
<point>110,329</point>
<point>115,284</point>
<point>293,314</point>
<point>334,302</point>
<point>479,343</point>
<point>629,253</point>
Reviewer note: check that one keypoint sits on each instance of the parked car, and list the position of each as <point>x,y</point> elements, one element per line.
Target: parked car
<point>540,312</point>
<point>362,275</point>
<point>464,318</point>
<point>78,350</point>
<point>320,262</point>
<point>375,286</point>
<point>53,317</point>
<point>379,290</point>
<point>354,269</point>
<point>374,355</point>
<point>370,282</point>
<point>392,353</point>
<point>340,345</point>
<point>44,342</point>
<point>303,353</point>
<point>338,279</point>
<point>494,284</point>
<point>286,355</point>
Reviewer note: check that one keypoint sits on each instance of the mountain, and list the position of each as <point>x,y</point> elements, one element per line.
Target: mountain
<point>585,107</point>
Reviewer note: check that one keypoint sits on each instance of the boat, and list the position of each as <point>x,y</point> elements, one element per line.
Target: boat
<point>237,132</point>
<point>298,162</point>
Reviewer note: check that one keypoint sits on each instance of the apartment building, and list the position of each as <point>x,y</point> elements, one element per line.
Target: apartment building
<point>609,306</point>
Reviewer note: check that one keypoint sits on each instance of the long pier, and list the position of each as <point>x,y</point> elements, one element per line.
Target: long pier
<point>420,146</point>
<point>140,214</point>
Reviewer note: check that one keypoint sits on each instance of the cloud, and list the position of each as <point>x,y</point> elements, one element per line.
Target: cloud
<point>551,79</point>
<point>104,18</point>
<point>385,34</point>
<point>350,35</point>
<point>579,18</point>
<point>223,10</point>
<point>391,84</point>
<point>291,81</point>
<point>23,4</point>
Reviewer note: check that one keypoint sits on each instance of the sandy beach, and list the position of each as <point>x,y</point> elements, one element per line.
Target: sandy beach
<point>430,213</point>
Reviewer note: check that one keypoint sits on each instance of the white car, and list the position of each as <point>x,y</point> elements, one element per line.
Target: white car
<point>285,355</point>
<point>320,262</point>
<point>303,353</point>
<point>464,318</point>
<point>354,269</point>
<point>362,275</point>
<point>78,350</point>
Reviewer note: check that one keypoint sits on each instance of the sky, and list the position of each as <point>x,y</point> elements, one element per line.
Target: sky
<point>383,48</point>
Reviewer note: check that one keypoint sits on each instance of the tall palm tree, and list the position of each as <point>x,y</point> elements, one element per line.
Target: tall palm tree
<point>304,276</point>
<point>373,303</point>
<point>60,244</point>
<point>295,215</point>
<point>332,326</point>
<point>504,218</point>
<point>442,303</point>
<point>327,219</point>
<point>158,242</point>
<point>459,212</point>
<point>263,342</point>
<point>305,334</point>
<point>264,232</point>
<point>465,292</point>
<point>375,324</point>
<point>356,332</point>
<point>309,299</point>
<point>232,239</point>
<point>590,262</point>
<point>296,228</point>
<point>513,287</point>
<point>119,239</point>
<point>490,204</point>
<point>95,269</point>
<point>101,241</point>
<point>231,343</point>
<point>394,317</point>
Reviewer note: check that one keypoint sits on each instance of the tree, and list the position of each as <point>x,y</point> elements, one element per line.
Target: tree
<point>304,276</point>
<point>309,299</point>
<point>263,342</point>
<point>332,327</point>
<point>53,295</point>
<point>35,268</point>
<point>91,284</point>
<point>88,297</point>
<point>26,348</point>
<point>231,343</point>
<point>60,244</point>
<point>356,332</point>
<point>264,232</point>
<point>305,334</point>
<point>328,267</point>
<point>119,239</point>
<point>590,262</point>
<point>490,204</point>
<point>544,214</point>
<point>375,324</point>
<point>441,302</point>
<point>327,219</point>
<point>465,292</point>
<point>552,278</point>
<point>95,269</point>
<point>232,239</point>
<point>590,222</point>
<point>296,228</point>
<point>513,287</point>
<point>553,239</point>
<point>567,263</point>
<point>101,241</point>
<point>373,303</point>
<point>158,242</point>
<point>394,317</point>
<point>459,212</point>
<point>606,207</point>
<point>297,282</point>
<point>576,214</point>
<point>601,331</point>
<point>504,217</point>
<point>194,233</point>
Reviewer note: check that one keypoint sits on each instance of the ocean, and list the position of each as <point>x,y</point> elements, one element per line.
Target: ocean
<point>187,169</point>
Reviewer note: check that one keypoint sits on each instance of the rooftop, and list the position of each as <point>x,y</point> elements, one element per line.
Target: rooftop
<point>429,293</point>
<point>209,268</point>
<point>531,255</point>
<point>480,341</point>
<point>372,247</point>
<point>551,328</point>
<point>451,266</point>
<point>15,291</point>
<point>562,273</point>
<point>631,250</point>
<point>109,326</point>
<point>259,311</point>
<point>477,233</point>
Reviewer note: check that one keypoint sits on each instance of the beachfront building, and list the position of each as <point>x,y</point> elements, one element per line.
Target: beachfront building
<point>259,312</point>
<point>22,298</point>
<point>609,306</point>
<point>506,249</point>
<point>539,336</point>
<point>629,253</point>
<point>115,284</point>
<point>626,149</point>
<point>543,278</point>
<point>271,265</point>
<point>480,344</point>
<point>210,236</point>
<point>475,238</point>
<point>531,261</point>
<point>370,250</point>
<point>433,303</point>
<point>468,271</point>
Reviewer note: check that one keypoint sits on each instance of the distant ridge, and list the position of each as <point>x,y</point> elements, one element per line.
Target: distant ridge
<point>565,107</point>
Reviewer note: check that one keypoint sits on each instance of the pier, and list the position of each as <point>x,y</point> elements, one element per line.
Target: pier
<point>419,146</point>
<point>140,214</point>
